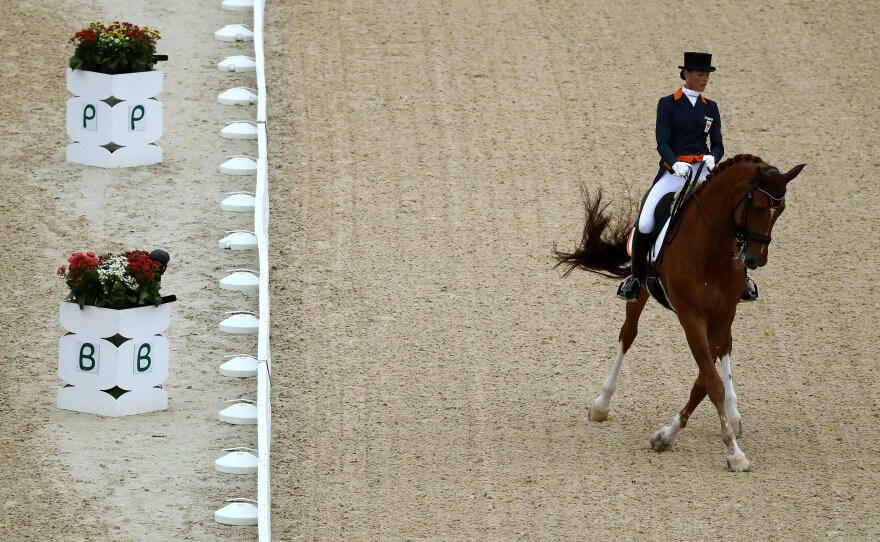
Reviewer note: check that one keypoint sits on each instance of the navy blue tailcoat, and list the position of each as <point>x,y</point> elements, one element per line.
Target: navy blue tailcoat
<point>682,130</point>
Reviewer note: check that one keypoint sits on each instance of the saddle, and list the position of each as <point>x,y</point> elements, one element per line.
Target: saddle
<point>668,213</point>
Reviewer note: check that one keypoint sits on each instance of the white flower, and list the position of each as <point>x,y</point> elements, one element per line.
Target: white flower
<point>113,270</point>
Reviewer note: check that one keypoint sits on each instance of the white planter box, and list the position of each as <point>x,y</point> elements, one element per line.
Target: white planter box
<point>103,322</point>
<point>98,364</point>
<point>118,350</point>
<point>103,404</point>
<point>114,120</point>
<point>125,86</point>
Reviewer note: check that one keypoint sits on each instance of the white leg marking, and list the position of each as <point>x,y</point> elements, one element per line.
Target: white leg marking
<point>736,459</point>
<point>603,402</point>
<point>674,428</point>
<point>733,415</point>
<point>665,436</point>
<point>730,421</point>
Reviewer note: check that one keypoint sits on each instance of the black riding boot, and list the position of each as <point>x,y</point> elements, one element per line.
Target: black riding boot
<point>631,287</point>
<point>751,291</point>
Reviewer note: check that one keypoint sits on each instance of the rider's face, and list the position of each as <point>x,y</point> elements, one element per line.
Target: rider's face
<point>695,80</point>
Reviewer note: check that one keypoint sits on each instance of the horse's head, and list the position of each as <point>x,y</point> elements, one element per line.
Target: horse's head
<point>758,210</point>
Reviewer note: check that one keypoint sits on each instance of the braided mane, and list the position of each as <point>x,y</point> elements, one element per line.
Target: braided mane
<point>735,160</point>
<point>774,183</point>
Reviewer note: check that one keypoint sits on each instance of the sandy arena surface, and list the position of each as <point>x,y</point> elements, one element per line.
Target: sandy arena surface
<point>431,370</point>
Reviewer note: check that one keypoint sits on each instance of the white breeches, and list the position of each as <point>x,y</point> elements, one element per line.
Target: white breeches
<point>665,184</point>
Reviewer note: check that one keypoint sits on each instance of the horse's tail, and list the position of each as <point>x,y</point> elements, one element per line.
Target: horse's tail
<point>602,249</point>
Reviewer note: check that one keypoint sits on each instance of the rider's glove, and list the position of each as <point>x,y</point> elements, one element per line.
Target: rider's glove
<point>682,169</point>
<point>709,160</point>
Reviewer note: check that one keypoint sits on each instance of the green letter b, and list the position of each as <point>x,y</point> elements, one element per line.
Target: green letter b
<point>143,361</point>
<point>87,356</point>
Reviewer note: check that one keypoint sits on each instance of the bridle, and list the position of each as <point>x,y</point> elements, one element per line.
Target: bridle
<point>741,230</point>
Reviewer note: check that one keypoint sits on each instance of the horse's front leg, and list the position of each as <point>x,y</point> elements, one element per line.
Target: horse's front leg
<point>733,415</point>
<point>665,436</point>
<point>602,404</point>
<point>697,332</point>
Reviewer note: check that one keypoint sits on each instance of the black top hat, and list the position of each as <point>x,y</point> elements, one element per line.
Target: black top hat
<point>698,62</point>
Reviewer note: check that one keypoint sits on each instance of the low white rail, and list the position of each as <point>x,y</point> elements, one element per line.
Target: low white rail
<point>261,228</point>
<point>261,231</point>
<point>264,357</point>
<point>259,56</point>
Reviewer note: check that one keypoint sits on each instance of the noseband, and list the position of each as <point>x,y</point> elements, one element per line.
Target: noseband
<point>741,231</point>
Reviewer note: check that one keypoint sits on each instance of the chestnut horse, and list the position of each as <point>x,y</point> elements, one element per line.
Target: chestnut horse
<point>722,228</point>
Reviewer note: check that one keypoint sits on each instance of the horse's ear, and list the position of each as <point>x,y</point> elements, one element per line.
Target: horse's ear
<point>761,174</point>
<point>793,173</point>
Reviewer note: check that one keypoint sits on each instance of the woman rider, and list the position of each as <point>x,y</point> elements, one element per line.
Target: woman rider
<point>684,119</point>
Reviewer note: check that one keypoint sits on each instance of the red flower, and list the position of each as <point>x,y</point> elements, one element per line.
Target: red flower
<point>83,261</point>
<point>84,35</point>
<point>88,286</point>
<point>140,265</point>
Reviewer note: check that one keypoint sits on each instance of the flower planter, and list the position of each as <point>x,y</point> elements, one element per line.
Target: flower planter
<point>114,120</point>
<point>113,361</point>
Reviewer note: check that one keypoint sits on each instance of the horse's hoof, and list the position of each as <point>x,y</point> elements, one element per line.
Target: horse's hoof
<point>659,441</point>
<point>596,415</point>
<point>738,463</point>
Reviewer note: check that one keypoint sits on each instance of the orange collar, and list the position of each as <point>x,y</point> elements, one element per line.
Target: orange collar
<point>679,93</point>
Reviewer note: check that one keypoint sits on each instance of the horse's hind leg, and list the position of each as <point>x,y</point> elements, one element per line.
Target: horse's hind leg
<point>602,404</point>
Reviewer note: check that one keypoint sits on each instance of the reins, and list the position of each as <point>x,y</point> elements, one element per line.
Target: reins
<point>690,187</point>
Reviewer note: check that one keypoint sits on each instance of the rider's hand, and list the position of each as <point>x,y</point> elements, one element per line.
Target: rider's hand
<point>709,160</point>
<point>682,169</point>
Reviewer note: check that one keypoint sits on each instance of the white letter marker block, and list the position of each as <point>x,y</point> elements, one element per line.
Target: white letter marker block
<point>114,120</point>
<point>113,361</point>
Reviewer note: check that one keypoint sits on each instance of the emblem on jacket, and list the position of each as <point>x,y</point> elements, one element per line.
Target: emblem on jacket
<point>708,124</point>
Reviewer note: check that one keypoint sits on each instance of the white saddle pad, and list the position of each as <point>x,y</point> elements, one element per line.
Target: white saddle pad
<point>655,250</point>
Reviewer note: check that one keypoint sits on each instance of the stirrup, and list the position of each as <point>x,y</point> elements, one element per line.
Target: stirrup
<point>629,289</point>
<point>751,291</point>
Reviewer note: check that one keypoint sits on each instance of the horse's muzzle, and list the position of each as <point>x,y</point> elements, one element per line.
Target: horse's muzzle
<point>753,261</point>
